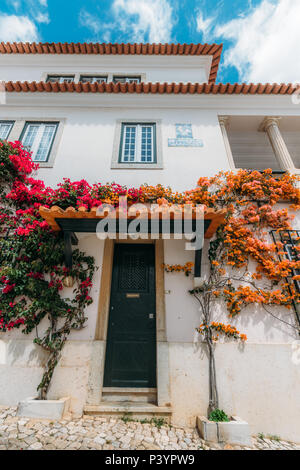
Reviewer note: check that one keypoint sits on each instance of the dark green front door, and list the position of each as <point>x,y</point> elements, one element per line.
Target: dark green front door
<point>131,339</point>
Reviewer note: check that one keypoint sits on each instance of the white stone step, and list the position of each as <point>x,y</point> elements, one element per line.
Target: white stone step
<point>134,410</point>
<point>141,395</point>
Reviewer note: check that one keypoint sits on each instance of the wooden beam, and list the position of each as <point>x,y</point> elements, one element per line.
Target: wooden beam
<point>198,260</point>
<point>68,249</point>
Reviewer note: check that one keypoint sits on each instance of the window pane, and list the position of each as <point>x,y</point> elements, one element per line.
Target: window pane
<point>94,79</point>
<point>45,143</point>
<point>60,78</point>
<point>38,139</point>
<point>134,80</point>
<point>147,144</point>
<point>5,128</point>
<point>129,144</point>
<point>30,135</point>
<point>138,143</point>
<point>118,79</point>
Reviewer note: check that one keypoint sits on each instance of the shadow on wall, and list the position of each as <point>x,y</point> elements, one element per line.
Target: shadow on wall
<point>22,353</point>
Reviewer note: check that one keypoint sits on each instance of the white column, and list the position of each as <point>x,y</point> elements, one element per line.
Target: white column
<point>224,120</point>
<point>271,126</point>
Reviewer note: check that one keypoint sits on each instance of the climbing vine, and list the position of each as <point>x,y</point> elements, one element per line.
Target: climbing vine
<point>245,268</point>
<point>32,268</point>
<point>33,274</point>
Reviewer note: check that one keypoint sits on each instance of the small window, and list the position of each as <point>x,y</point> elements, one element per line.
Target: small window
<point>138,143</point>
<point>93,79</point>
<point>38,138</point>
<point>124,79</point>
<point>60,78</point>
<point>5,128</point>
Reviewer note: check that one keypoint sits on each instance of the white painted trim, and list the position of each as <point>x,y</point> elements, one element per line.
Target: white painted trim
<point>224,121</point>
<point>236,105</point>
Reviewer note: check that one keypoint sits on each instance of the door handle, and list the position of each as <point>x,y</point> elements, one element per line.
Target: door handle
<point>151,316</point>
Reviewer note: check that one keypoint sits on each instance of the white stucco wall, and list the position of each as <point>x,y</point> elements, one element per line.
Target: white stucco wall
<point>86,146</point>
<point>185,69</point>
<point>259,382</point>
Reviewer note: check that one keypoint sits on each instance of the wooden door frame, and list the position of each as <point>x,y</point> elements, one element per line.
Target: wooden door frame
<point>162,350</point>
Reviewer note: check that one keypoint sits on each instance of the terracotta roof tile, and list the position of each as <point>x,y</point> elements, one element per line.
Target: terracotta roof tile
<point>122,49</point>
<point>153,88</point>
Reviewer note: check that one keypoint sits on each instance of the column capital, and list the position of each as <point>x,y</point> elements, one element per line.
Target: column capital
<point>224,120</point>
<point>269,121</point>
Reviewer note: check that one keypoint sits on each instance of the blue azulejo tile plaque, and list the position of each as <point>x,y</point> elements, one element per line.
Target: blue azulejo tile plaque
<point>184,137</point>
<point>185,143</point>
<point>184,131</point>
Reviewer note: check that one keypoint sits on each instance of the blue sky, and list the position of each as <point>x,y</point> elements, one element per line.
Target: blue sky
<point>260,37</point>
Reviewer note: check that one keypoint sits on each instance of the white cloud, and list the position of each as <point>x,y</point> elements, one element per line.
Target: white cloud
<point>42,18</point>
<point>135,20</point>
<point>266,42</point>
<point>23,26</point>
<point>149,18</point>
<point>16,4</point>
<point>204,26</point>
<point>89,21</point>
<point>17,28</point>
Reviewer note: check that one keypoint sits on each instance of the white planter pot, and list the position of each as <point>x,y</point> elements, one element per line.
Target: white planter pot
<point>235,431</point>
<point>44,409</point>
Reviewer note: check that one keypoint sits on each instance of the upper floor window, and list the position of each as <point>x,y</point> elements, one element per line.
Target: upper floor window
<point>93,79</point>
<point>138,143</point>
<point>60,78</point>
<point>5,128</point>
<point>38,138</point>
<point>125,79</point>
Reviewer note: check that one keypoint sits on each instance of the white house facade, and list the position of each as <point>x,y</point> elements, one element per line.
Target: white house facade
<point>135,114</point>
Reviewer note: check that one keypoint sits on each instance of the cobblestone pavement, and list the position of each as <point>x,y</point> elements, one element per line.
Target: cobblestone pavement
<point>95,433</point>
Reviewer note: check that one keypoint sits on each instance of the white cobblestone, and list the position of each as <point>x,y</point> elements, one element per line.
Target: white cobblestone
<point>99,433</point>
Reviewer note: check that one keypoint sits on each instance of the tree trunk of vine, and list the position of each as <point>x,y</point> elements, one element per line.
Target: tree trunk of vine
<point>48,374</point>
<point>213,390</point>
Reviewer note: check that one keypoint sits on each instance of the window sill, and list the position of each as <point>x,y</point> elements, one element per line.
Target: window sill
<point>45,164</point>
<point>136,166</point>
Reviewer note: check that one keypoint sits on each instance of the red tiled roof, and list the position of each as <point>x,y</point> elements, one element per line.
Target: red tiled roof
<point>114,49</point>
<point>152,88</point>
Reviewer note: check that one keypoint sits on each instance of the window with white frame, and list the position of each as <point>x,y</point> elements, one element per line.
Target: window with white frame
<point>124,79</point>
<point>93,79</point>
<point>60,78</point>
<point>138,143</point>
<point>38,138</point>
<point>5,128</point>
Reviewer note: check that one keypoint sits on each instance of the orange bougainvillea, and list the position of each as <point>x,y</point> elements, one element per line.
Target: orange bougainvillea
<point>178,268</point>
<point>248,264</point>
<point>220,328</point>
<point>249,198</point>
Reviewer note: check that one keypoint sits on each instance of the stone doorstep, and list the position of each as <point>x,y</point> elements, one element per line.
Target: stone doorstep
<point>132,409</point>
<point>44,409</point>
<point>236,432</point>
<point>145,395</point>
